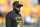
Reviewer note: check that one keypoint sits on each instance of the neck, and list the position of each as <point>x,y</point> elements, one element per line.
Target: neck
<point>15,12</point>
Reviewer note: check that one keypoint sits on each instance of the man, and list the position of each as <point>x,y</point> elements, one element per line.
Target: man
<point>13,17</point>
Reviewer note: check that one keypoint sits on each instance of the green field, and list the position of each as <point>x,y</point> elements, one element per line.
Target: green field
<point>23,26</point>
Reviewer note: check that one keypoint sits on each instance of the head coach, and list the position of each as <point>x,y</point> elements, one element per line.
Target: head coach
<point>14,15</point>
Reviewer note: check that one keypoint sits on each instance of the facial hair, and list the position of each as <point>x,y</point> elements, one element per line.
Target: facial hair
<point>17,11</point>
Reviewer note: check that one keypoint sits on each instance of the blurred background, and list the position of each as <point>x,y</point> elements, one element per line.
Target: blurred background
<point>30,12</point>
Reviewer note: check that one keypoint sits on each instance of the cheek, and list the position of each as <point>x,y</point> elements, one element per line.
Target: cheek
<point>18,8</point>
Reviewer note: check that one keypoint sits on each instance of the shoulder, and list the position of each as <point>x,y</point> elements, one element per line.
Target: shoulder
<point>8,13</point>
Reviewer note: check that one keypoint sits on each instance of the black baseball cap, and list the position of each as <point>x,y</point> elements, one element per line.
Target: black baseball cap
<point>16,3</point>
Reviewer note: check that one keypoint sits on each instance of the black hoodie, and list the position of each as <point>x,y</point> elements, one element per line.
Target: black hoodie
<point>11,19</point>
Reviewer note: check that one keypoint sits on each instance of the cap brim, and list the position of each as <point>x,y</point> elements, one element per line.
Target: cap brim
<point>20,5</point>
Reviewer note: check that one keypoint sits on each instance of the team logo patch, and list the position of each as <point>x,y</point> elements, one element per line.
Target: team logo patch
<point>19,21</point>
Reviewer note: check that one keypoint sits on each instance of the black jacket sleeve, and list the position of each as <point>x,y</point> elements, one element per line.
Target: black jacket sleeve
<point>8,20</point>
